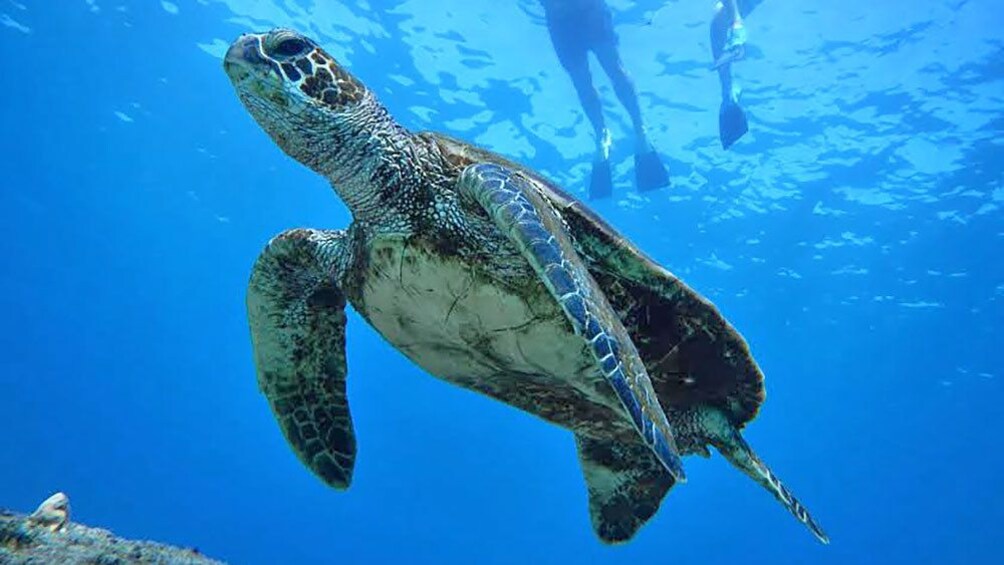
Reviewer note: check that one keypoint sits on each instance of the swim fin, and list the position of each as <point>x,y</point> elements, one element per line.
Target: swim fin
<point>732,123</point>
<point>601,180</point>
<point>649,171</point>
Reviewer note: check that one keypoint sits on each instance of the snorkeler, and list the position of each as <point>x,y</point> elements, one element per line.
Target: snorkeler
<point>728,45</point>
<point>578,27</point>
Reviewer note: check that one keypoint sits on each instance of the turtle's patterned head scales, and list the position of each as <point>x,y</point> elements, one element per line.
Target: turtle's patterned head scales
<point>296,91</point>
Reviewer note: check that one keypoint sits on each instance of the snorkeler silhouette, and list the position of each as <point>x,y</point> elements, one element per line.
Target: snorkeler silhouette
<point>728,45</point>
<point>578,27</point>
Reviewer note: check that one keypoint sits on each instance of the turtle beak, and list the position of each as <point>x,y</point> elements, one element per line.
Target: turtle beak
<point>244,57</point>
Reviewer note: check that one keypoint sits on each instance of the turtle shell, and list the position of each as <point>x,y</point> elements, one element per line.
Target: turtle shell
<point>693,355</point>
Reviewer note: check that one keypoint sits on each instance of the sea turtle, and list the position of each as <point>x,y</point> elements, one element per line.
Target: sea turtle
<point>490,277</point>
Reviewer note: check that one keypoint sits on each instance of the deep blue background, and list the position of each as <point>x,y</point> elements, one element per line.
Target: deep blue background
<point>125,368</point>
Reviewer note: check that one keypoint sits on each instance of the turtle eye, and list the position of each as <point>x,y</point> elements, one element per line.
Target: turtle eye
<point>290,47</point>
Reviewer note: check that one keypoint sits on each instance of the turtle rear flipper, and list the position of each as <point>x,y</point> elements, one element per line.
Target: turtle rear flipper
<point>297,318</point>
<point>626,484</point>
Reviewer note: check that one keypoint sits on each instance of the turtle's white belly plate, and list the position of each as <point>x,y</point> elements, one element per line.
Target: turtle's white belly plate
<point>461,326</point>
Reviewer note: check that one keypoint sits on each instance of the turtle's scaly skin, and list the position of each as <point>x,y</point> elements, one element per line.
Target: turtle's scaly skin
<point>489,277</point>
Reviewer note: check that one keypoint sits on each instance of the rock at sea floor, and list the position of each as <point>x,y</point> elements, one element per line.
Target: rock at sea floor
<point>47,536</point>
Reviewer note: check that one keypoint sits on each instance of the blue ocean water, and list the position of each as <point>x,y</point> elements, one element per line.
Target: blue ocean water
<point>854,237</point>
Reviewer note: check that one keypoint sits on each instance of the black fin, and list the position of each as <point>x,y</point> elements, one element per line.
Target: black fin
<point>601,180</point>
<point>626,484</point>
<point>732,123</point>
<point>649,171</point>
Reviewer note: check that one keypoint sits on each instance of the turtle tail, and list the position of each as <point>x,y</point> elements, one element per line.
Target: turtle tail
<point>730,443</point>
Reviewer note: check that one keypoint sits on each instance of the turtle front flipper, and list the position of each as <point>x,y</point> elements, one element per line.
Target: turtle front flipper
<point>297,318</point>
<point>520,212</point>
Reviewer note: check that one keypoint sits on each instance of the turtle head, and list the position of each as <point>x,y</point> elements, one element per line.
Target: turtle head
<point>297,93</point>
